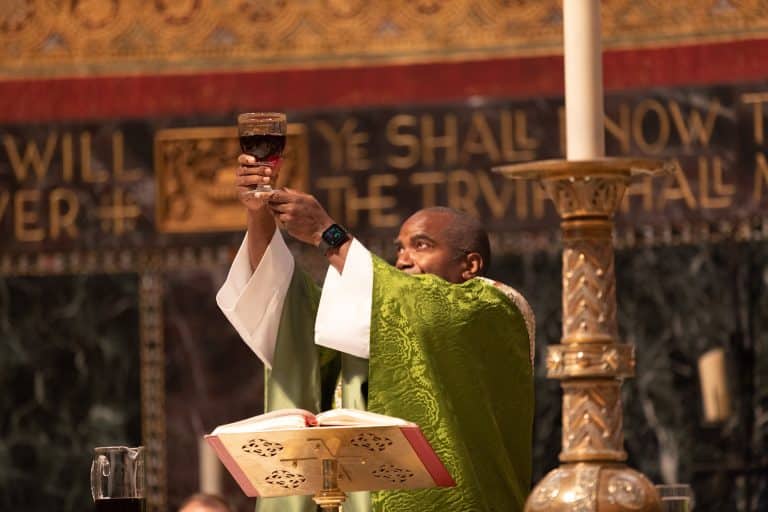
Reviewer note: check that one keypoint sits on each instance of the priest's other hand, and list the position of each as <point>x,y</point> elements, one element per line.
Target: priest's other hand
<point>248,176</point>
<point>299,214</point>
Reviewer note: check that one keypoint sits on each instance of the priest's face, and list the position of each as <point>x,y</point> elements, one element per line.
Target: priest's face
<point>425,247</point>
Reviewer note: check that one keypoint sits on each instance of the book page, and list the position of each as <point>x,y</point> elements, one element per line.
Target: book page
<point>356,417</point>
<point>280,419</point>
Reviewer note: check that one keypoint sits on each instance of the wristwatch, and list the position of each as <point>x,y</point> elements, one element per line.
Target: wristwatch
<point>332,238</point>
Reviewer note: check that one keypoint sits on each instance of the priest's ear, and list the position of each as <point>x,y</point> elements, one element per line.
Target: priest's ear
<point>473,266</point>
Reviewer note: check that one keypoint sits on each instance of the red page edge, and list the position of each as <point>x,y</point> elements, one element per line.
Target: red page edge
<point>232,467</point>
<point>428,457</point>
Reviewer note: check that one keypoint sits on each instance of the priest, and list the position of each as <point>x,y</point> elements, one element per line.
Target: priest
<point>428,340</point>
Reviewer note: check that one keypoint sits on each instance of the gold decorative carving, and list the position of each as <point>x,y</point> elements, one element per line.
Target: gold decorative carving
<point>195,176</point>
<point>92,37</point>
<point>585,196</point>
<point>589,291</point>
<point>581,487</point>
<point>590,360</point>
<point>574,485</point>
<point>592,421</point>
<point>626,490</point>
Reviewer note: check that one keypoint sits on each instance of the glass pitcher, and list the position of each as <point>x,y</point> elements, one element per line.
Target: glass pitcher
<point>117,479</point>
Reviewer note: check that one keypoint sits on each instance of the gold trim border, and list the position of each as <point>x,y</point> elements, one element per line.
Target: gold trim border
<point>152,374</point>
<point>128,36</point>
<point>113,261</point>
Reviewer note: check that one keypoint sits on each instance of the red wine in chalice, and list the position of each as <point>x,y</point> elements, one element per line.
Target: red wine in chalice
<point>120,505</point>
<point>264,147</point>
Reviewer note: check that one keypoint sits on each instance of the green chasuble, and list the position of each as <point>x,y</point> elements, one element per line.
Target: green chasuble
<point>455,359</point>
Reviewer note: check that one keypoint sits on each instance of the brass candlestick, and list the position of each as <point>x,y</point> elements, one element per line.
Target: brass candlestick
<point>590,361</point>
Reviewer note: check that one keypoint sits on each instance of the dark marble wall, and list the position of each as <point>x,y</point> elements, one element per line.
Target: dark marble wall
<point>69,363</point>
<point>675,303</point>
<point>212,377</point>
<point>69,359</point>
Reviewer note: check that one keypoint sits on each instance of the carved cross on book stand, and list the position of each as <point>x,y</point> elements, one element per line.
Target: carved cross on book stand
<point>327,462</point>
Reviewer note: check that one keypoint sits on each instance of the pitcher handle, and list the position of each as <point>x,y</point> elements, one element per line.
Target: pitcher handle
<point>99,469</point>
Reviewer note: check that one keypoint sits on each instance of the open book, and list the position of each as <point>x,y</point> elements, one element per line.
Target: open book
<point>300,418</point>
<point>280,453</point>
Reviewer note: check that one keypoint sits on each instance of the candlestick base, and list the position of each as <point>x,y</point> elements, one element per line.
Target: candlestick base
<point>589,487</point>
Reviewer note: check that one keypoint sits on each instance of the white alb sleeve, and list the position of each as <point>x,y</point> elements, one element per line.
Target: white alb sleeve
<point>253,301</point>
<point>344,315</point>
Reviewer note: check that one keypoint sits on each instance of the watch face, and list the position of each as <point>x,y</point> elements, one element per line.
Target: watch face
<point>335,235</point>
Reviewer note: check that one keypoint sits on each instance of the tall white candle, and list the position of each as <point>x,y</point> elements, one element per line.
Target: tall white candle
<point>585,139</point>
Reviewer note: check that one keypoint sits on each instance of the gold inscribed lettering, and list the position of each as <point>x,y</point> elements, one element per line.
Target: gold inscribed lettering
<point>695,127</point>
<point>118,160</point>
<point>642,187</point>
<point>622,129</point>
<point>5,199</point>
<point>448,141</point>
<point>357,151</point>
<point>31,157</point>
<point>497,203</point>
<point>724,193</point>
<point>463,191</point>
<point>682,191</point>
<point>335,142</point>
<point>539,200</point>
<point>25,220</point>
<point>67,158</point>
<point>761,177</point>
<point>638,117</point>
<point>336,187</point>
<point>403,140</point>
<point>87,172</point>
<point>428,182</point>
<point>515,142</point>
<point>379,202</point>
<point>480,140</point>
<point>756,99</point>
<point>521,199</point>
<point>64,207</point>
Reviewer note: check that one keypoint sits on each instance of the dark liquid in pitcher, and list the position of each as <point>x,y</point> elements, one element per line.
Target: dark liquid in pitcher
<point>266,148</point>
<point>121,505</point>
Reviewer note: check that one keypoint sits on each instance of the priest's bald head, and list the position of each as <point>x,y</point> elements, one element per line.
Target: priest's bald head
<point>444,242</point>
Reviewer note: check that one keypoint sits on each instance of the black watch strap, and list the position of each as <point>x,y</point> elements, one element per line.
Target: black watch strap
<point>332,238</point>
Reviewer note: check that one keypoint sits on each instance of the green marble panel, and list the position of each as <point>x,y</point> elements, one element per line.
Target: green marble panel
<point>675,303</point>
<point>69,374</point>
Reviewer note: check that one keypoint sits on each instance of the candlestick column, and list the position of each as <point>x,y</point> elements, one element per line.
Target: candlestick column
<point>590,360</point>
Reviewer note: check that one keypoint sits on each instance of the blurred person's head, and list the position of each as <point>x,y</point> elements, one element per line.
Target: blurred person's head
<point>202,502</point>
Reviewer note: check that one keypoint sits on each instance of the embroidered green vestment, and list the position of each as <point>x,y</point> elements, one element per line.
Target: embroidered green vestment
<point>455,359</point>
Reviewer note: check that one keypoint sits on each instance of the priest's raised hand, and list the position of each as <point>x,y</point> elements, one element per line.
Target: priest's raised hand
<point>299,214</point>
